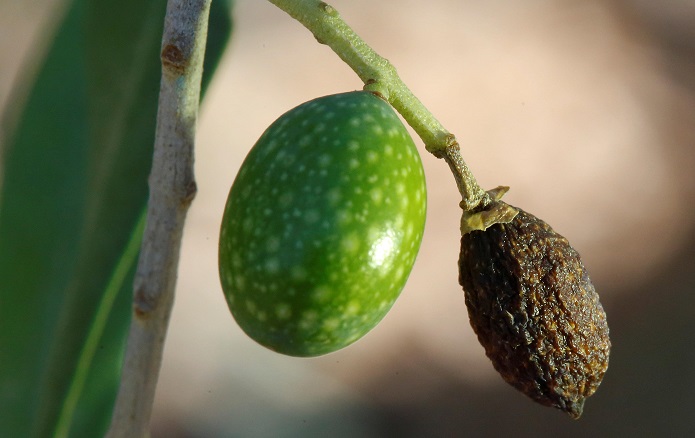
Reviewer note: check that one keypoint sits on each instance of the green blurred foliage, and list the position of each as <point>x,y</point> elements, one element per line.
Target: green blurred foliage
<point>74,188</point>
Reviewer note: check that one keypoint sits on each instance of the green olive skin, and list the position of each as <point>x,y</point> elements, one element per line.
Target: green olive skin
<point>322,225</point>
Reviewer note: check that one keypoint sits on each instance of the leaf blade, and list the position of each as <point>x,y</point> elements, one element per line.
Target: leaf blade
<point>75,186</point>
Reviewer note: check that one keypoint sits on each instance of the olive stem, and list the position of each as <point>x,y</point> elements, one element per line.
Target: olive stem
<point>380,76</point>
<point>172,188</point>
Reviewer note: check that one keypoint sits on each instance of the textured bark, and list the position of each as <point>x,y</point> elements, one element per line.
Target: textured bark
<point>172,189</point>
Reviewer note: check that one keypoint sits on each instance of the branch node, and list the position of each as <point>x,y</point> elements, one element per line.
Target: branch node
<point>189,194</point>
<point>328,9</point>
<point>143,303</point>
<point>173,59</point>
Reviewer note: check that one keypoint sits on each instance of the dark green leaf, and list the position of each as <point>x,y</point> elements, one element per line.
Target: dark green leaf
<point>74,188</point>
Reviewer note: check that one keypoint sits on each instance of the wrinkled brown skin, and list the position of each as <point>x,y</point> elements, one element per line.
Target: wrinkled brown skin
<point>535,311</point>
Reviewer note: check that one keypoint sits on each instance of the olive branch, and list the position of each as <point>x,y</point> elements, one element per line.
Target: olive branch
<point>172,183</point>
<point>172,189</point>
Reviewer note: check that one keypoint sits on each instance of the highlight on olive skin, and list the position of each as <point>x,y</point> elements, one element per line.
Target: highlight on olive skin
<point>535,311</point>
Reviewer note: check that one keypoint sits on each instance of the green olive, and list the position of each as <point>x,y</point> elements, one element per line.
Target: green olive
<point>322,225</point>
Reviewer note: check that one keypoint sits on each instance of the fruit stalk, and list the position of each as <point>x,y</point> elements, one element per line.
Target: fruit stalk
<point>172,188</point>
<point>380,76</point>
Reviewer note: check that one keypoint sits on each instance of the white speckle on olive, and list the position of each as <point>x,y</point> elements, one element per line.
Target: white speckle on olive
<point>272,265</point>
<point>325,160</point>
<point>322,293</point>
<point>236,260</point>
<point>353,308</point>
<point>376,195</point>
<point>331,324</point>
<point>305,141</point>
<point>399,272</point>
<point>312,216</point>
<point>272,245</point>
<point>333,196</point>
<point>239,281</point>
<point>283,311</point>
<point>350,243</point>
<point>229,278</point>
<point>344,217</point>
<point>308,319</point>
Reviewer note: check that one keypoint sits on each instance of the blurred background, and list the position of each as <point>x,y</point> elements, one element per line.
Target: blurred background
<point>586,109</point>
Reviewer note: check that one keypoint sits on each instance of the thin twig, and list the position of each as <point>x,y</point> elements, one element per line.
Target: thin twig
<point>172,188</point>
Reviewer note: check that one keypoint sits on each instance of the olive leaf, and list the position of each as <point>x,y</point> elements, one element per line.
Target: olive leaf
<point>73,189</point>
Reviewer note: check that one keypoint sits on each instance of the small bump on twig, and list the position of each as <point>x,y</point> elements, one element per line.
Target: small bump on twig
<point>173,59</point>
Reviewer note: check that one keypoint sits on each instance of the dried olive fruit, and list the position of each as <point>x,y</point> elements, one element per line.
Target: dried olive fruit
<point>535,311</point>
<point>322,225</point>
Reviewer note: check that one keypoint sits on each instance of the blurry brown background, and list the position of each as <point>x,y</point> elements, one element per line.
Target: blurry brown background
<point>586,109</point>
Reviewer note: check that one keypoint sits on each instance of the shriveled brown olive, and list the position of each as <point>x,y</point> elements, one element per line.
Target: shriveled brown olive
<point>535,311</point>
